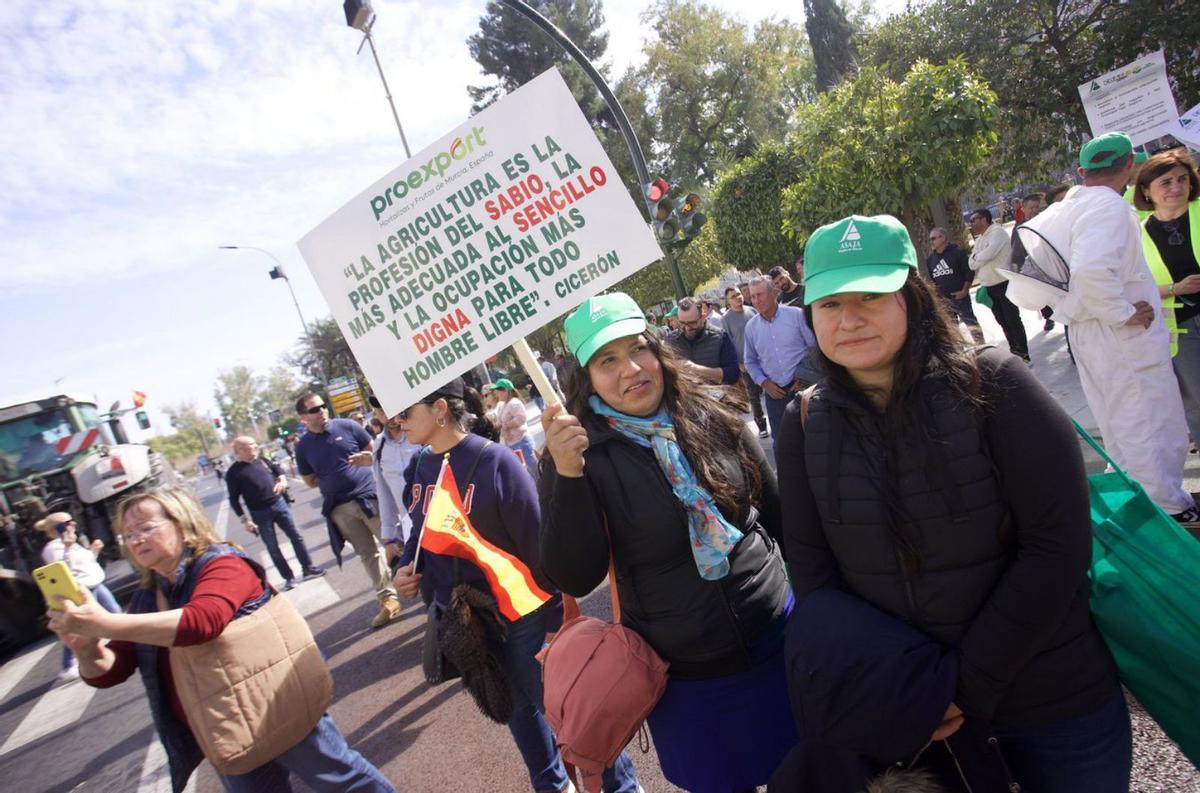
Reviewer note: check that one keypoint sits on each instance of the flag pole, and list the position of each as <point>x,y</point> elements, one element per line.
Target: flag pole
<point>525,356</point>
<point>437,485</point>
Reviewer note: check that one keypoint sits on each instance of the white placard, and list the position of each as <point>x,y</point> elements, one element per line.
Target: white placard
<point>506,222</point>
<point>1188,128</point>
<point>1135,99</point>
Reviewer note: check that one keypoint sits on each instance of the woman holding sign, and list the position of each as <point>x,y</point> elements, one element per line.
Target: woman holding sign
<point>676,488</point>
<point>485,496</point>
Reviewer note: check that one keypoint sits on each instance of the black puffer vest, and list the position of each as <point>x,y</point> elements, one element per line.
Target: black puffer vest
<point>704,351</point>
<point>946,498</point>
<point>703,628</point>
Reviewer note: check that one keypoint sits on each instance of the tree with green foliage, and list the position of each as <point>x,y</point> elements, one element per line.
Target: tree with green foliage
<point>1035,54</point>
<point>324,352</point>
<point>711,90</point>
<point>832,38</point>
<point>873,145</point>
<point>698,262</point>
<point>278,392</point>
<point>192,431</point>
<point>746,205</point>
<point>237,392</point>
<point>511,49</point>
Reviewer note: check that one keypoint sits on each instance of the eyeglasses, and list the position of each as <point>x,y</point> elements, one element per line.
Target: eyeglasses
<point>312,411</point>
<point>403,414</point>
<point>61,528</point>
<point>133,535</point>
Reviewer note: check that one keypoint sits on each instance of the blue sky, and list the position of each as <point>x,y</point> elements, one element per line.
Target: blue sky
<point>140,136</point>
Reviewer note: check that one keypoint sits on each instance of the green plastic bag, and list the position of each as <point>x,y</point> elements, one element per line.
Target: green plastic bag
<point>982,297</point>
<point>1146,600</point>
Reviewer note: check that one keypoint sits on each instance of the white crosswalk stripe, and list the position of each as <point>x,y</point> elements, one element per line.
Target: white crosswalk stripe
<point>222,522</point>
<point>156,774</point>
<point>15,670</point>
<point>58,708</point>
<point>309,596</point>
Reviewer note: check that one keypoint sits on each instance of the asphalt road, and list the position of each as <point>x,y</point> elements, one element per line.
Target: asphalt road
<point>68,736</point>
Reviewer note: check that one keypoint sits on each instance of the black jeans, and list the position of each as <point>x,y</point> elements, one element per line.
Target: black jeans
<point>1009,317</point>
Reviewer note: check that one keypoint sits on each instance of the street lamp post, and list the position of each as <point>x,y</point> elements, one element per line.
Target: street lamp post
<point>614,104</point>
<point>360,16</point>
<point>278,272</point>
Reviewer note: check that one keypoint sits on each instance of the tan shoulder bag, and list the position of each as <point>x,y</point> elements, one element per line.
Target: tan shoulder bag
<point>256,690</point>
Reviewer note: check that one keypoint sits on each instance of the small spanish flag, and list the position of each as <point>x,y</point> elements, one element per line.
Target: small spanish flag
<point>139,398</point>
<point>448,531</point>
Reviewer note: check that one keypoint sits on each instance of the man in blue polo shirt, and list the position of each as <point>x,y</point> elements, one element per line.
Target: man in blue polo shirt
<point>335,455</point>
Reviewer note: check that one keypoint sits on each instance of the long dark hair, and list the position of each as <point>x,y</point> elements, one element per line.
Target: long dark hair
<point>933,347</point>
<point>471,406</point>
<point>707,430</point>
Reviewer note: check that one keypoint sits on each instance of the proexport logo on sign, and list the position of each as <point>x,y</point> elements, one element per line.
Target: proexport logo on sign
<point>432,170</point>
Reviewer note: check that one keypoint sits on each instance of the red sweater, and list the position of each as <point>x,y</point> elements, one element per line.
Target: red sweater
<point>223,586</point>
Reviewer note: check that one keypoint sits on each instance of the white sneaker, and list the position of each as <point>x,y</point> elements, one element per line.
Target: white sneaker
<point>69,673</point>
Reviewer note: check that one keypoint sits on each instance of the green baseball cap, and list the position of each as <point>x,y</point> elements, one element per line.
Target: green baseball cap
<point>599,320</point>
<point>504,384</point>
<point>1103,151</point>
<point>674,312</point>
<point>1140,157</point>
<point>857,254</point>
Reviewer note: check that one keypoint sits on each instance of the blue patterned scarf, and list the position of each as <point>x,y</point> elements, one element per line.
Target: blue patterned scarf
<point>712,537</point>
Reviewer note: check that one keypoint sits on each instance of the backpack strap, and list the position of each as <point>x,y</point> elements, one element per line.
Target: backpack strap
<point>806,397</point>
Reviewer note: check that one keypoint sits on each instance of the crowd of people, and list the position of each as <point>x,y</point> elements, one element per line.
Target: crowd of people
<point>899,597</point>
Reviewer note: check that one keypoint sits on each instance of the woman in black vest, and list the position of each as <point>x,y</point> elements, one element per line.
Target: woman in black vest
<point>668,480</point>
<point>947,489</point>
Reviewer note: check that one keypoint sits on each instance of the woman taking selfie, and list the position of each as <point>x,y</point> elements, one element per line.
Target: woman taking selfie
<point>501,504</point>
<point>201,615</point>
<point>947,490</point>
<point>646,467</point>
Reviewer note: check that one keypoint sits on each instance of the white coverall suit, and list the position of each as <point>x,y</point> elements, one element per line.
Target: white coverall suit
<point>1125,370</point>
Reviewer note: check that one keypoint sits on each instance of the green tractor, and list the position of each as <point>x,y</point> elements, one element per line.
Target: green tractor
<point>60,454</point>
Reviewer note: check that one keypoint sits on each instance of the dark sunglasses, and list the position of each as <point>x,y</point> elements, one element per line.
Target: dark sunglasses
<point>312,411</point>
<point>61,528</point>
<point>403,414</point>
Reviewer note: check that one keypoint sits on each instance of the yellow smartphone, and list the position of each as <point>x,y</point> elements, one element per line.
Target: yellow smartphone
<point>55,579</point>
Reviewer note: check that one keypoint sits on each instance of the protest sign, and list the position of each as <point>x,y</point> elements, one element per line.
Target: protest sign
<point>508,221</point>
<point>1188,128</point>
<point>1135,99</point>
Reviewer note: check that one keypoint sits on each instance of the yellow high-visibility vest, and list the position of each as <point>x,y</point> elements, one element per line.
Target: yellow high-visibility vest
<point>1162,276</point>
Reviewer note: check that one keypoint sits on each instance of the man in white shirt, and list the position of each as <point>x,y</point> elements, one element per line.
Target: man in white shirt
<point>992,250</point>
<point>1121,345</point>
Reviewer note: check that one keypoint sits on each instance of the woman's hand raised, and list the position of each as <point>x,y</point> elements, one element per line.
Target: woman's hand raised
<point>566,440</point>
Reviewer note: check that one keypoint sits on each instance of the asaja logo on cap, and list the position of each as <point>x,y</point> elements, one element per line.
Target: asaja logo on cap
<point>598,311</point>
<point>851,239</point>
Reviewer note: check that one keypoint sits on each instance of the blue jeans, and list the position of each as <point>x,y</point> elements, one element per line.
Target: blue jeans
<point>266,519</point>
<point>530,731</point>
<point>107,602</point>
<point>323,761</point>
<point>526,454</point>
<point>1093,752</point>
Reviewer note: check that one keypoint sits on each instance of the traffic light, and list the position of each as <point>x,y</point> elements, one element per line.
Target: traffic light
<point>672,217</point>
<point>690,219</point>
<point>217,423</point>
<point>661,209</point>
<point>143,420</point>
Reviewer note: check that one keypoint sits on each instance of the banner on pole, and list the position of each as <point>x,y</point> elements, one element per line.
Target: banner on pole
<point>1135,99</point>
<point>1188,128</point>
<point>506,222</point>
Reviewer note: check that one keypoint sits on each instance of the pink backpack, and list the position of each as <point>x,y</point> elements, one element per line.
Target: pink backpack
<point>601,680</point>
